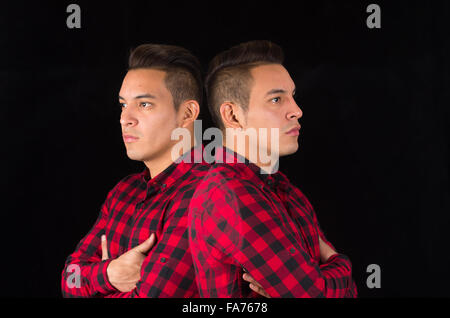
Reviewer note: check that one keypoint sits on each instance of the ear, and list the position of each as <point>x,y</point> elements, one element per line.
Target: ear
<point>188,112</point>
<point>232,115</point>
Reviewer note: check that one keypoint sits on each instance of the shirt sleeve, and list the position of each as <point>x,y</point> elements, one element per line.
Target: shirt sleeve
<point>337,271</point>
<point>239,222</point>
<point>167,270</point>
<point>155,279</point>
<point>338,268</point>
<point>84,273</point>
<point>93,279</point>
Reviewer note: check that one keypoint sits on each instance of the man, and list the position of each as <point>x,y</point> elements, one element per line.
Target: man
<point>161,91</point>
<point>246,220</point>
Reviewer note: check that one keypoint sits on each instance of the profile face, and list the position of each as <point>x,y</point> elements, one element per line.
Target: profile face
<point>272,105</point>
<point>148,114</point>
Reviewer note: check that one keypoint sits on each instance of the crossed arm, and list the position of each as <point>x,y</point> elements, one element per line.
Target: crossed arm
<point>98,275</point>
<point>325,253</point>
<point>125,271</point>
<point>226,230</point>
<point>140,272</point>
<point>119,277</point>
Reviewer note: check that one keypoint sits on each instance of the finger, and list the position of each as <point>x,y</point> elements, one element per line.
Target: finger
<point>259,290</point>
<point>251,280</point>
<point>104,248</point>
<point>320,239</point>
<point>254,285</point>
<point>146,245</point>
<point>247,277</point>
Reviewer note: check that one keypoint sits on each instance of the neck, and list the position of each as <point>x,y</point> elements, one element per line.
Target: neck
<point>267,166</point>
<point>158,165</point>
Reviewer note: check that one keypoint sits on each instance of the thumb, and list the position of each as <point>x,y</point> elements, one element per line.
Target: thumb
<point>146,245</point>
<point>105,255</point>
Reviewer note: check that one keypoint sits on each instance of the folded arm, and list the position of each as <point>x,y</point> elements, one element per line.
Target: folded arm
<point>84,271</point>
<point>244,227</point>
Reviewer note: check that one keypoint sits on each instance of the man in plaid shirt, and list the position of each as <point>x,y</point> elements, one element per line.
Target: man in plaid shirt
<point>138,247</point>
<point>247,221</point>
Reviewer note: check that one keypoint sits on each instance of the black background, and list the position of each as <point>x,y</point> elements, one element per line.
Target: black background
<point>373,156</point>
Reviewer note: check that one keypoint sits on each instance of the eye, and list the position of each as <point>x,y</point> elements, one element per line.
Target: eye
<point>275,100</point>
<point>146,104</point>
<point>122,105</point>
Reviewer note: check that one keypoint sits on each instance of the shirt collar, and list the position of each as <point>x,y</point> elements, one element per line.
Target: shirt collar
<point>228,156</point>
<point>165,179</point>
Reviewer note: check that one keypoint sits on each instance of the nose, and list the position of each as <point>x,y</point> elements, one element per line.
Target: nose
<point>295,112</point>
<point>127,118</point>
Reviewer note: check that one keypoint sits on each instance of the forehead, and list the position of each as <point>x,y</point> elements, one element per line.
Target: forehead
<point>144,81</point>
<point>271,76</point>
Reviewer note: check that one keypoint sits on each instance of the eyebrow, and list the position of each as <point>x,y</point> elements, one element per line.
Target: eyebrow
<point>278,91</point>
<point>141,96</point>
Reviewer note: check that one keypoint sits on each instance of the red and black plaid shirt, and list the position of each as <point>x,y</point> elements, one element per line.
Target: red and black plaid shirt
<point>242,220</point>
<point>136,207</point>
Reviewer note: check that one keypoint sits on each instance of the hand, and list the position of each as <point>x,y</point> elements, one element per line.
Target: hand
<point>125,271</point>
<point>255,286</point>
<point>325,251</point>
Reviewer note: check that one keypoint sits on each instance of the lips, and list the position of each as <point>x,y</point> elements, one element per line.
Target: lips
<point>294,131</point>
<point>129,138</point>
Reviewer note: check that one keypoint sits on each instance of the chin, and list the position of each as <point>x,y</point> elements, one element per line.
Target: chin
<point>133,155</point>
<point>289,150</point>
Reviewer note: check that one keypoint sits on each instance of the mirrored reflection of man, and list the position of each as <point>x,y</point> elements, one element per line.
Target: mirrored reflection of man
<point>248,223</point>
<point>138,247</point>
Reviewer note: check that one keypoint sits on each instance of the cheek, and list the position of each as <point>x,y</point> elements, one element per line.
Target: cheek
<point>159,125</point>
<point>265,118</point>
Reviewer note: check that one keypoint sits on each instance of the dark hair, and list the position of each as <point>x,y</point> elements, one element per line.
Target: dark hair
<point>183,71</point>
<point>229,77</point>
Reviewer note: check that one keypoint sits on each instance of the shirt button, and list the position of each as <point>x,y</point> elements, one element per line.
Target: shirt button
<point>163,185</point>
<point>163,259</point>
<point>269,182</point>
<point>292,250</point>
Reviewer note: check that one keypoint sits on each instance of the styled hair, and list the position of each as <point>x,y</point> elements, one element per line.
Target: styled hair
<point>229,75</point>
<point>183,71</point>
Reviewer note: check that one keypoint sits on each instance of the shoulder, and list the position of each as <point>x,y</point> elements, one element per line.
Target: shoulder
<point>222,177</point>
<point>226,193</point>
<point>126,184</point>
